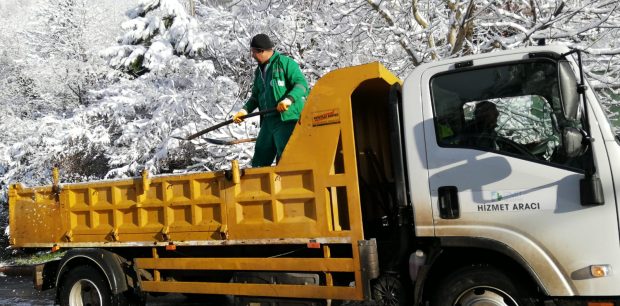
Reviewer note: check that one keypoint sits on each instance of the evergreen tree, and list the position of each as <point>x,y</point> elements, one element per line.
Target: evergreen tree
<point>158,30</point>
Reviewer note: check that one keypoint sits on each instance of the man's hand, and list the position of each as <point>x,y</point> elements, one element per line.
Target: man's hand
<point>284,104</point>
<point>237,117</point>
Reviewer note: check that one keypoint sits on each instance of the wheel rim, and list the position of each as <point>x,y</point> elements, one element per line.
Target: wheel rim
<point>387,291</point>
<point>85,293</point>
<point>485,296</point>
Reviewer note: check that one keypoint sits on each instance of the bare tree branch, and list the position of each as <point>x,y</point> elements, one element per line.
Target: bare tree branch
<point>402,39</point>
<point>464,28</point>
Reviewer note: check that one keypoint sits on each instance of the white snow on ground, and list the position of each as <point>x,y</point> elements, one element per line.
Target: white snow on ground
<point>23,302</point>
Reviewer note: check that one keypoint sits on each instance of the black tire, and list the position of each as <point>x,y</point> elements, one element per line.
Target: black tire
<point>480,285</point>
<point>86,285</point>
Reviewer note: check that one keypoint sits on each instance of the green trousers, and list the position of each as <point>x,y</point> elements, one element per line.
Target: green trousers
<point>272,138</point>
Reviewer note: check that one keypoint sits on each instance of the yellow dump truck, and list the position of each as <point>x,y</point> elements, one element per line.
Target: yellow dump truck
<point>383,194</point>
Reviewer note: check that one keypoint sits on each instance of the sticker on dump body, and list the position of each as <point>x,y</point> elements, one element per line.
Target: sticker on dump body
<point>509,201</point>
<point>325,117</point>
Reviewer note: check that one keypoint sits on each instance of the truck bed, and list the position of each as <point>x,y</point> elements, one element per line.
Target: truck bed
<point>197,208</point>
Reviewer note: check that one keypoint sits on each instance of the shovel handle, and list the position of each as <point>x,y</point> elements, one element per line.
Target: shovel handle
<point>227,122</point>
<point>228,142</point>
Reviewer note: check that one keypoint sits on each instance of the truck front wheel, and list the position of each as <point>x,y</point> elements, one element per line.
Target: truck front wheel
<point>480,285</point>
<point>85,285</point>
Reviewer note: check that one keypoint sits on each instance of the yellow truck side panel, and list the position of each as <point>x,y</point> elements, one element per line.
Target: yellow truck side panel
<point>201,206</point>
<point>34,213</point>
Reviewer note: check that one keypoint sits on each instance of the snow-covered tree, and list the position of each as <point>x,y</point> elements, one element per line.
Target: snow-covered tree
<point>57,39</point>
<point>17,88</point>
<point>57,51</point>
<point>158,30</point>
<point>50,64</point>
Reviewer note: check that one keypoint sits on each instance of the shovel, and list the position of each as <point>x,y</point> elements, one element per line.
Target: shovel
<point>221,124</point>
<point>228,142</point>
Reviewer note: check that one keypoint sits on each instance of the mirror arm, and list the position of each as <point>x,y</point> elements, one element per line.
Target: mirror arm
<point>569,52</point>
<point>590,187</point>
<point>587,138</point>
<point>581,89</point>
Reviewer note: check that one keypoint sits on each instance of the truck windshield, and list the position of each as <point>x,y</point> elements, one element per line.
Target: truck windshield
<point>612,109</point>
<point>511,109</point>
<point>613,114</point>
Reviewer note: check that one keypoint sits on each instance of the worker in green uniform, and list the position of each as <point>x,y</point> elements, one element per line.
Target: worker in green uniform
<point>279,83</point>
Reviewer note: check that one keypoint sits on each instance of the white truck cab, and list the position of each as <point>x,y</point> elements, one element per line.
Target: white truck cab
<point>514,177</point>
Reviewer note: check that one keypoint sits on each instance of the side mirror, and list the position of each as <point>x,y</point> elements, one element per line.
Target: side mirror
<point>568,90</point>
<point>572,138</point>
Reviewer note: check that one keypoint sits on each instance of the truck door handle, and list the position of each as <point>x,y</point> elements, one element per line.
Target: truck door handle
<point>448,202</point>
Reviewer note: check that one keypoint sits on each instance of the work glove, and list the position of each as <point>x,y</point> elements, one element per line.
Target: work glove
<point>284,104</point>
<point>237,117</point>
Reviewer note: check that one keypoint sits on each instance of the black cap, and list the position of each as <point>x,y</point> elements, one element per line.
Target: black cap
<point>261,41</point>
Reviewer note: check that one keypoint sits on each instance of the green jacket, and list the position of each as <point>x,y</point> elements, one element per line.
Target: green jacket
<point>287,80</point>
